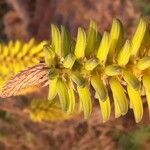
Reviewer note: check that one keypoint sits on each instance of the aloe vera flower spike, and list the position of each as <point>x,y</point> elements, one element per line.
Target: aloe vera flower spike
<point>107,63</point>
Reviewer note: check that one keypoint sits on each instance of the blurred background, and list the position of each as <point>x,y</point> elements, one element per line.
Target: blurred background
<point>20,128</point>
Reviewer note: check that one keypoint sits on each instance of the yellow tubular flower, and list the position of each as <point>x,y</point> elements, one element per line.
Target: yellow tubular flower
<point>91,38</point>
<point>105,109</point>
<point>80,44</point>
<point>116,38</point>
<point>124,54</point>
<point>62,92</point>
<point>56,39</point>
<point>85,98</point>
<point>138,37</point>
<point>119,97</point>
<point>99,87</point>
<point>52,89</point>
<point>66,41</point>
<point>49,55</point>
<point>136,101</point>
<point>103,48</point>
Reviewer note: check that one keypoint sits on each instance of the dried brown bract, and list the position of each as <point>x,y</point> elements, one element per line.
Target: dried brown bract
<point>36,76</point>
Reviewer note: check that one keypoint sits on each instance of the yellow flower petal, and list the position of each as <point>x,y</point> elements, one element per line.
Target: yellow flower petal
<point>116,39</point>
<point>117,109</point>
<point>105,109</point>
<point>85,98</point>
<point>49,55</point>
<point>62,91</point>
<point>137,105</point>
<point>138,37</point>
<point>56,39</point>
<point>91,38</point>
<point>119,97</point>
<point>103,48</point>
<point>124,54</point>
<point>99,87</point>
<point>80,44</point>
<point>52,89</point>
<point>66,41</point>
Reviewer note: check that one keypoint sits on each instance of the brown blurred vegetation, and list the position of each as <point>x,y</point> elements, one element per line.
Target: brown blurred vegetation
<point>32,18</point>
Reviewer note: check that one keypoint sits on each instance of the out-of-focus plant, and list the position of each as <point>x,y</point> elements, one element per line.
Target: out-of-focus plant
<point>3,9</point>
<point>6,116</point>
<point>15,56</point>
<point>134,140</point>
<point>144,5</point>
<point>44,110</point>
<point>106,64</point>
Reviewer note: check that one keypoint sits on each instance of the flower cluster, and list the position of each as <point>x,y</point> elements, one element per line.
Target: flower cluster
<point>43,110</point>
<point>107,64</point>
<point>17,55</point>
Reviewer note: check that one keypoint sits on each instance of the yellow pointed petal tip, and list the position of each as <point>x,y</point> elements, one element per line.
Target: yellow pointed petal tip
<point>120,99</point>
<point>66,41</point>
<point>56,39</point>
<point>136,101</point>
<point>105,109</point>
<point>80,43</point>
<point>138,37</point>
<point>124,54</point>
<point>85,98</point>
<point>92,36</point>
<point>116,38</point>
<point>103,48</point>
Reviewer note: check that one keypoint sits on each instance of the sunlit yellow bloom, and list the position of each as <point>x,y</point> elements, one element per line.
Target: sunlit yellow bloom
<point>91,64</point>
